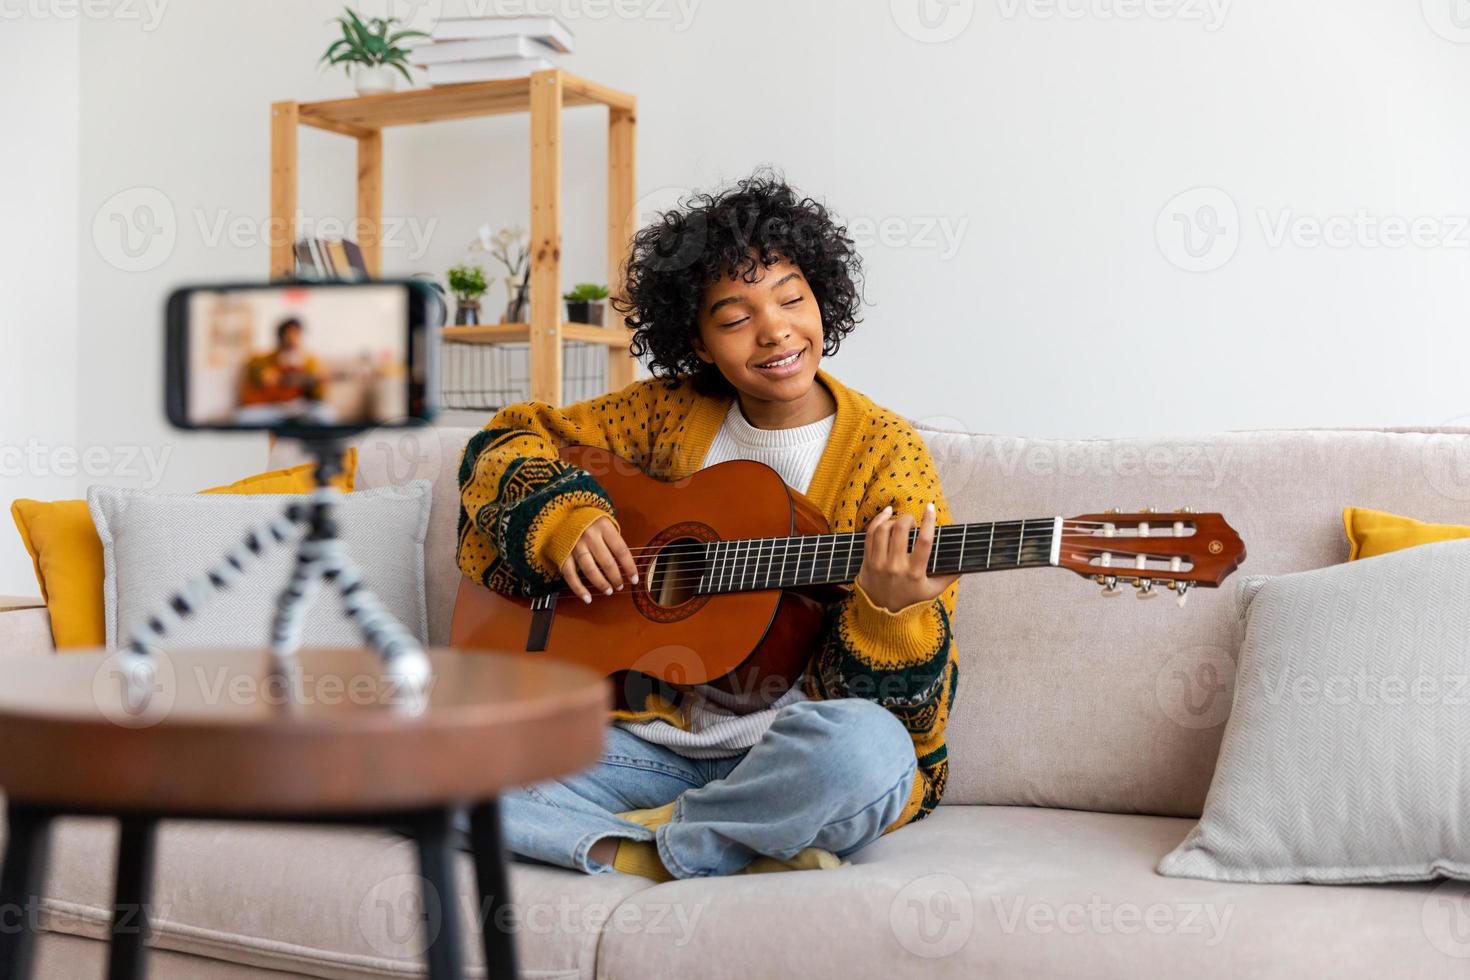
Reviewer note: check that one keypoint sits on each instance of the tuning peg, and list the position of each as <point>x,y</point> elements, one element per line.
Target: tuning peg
<point>1144,510</point>
<point>1184,510</point>
<point>1146,589</point>
<point>1110,585</point>
<point>1111,510</point>
<point>1183,590</point>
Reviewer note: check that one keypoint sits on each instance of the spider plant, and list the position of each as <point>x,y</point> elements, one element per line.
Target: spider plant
<point>370,44</point>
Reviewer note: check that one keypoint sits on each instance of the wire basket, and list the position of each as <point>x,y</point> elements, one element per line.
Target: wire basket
<point>487,377</point>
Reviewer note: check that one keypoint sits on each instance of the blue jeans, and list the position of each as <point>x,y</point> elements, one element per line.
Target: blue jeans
<point>827,774</point>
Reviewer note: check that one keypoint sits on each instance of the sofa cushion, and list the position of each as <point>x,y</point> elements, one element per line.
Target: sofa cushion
<point>153,544</point>
<point>1373,532</point>
<point>1347,754</point>
<point>1018,892</point>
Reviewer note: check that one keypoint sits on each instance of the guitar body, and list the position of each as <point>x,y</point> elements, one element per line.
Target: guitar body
<point>754,643</point>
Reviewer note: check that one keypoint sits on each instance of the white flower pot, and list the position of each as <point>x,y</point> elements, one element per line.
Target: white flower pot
<point>375,80</point>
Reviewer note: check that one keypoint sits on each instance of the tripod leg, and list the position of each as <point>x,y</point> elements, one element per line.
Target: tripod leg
<point>294,601</point>
<point>401,651</point>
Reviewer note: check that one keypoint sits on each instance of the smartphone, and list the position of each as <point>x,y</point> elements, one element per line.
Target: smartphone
<point>308,360</point>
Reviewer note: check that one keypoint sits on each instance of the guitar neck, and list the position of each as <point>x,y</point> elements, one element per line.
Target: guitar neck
<point>749,564</point>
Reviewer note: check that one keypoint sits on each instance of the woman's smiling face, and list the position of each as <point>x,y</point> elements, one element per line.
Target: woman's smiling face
<point>743,325</point>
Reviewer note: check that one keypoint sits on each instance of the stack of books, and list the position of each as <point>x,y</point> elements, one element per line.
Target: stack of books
<point>483,49</point>
<point>321,258</point>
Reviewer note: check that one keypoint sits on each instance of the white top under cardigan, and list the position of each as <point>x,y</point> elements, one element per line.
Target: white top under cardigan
<point>716,727</point>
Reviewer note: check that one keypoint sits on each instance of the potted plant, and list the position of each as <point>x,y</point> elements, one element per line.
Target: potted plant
<point>508,246</point>
<point>585,303</point>
<point>467,283</point>
<point>374,49</point>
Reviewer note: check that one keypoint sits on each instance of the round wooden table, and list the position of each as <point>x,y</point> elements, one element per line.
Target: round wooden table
<point>215,734</point>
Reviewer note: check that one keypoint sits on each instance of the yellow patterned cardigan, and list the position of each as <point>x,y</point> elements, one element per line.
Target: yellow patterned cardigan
<point>522,509</point>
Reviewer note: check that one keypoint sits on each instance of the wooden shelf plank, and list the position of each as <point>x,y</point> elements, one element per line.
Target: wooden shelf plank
<point>512,333</point>
<point>440,102</point>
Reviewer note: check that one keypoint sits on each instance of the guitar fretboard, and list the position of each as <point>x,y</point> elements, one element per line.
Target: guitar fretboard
<point>748,564</point>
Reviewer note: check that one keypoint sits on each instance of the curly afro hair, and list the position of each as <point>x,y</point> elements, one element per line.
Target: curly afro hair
<point>674,259</point>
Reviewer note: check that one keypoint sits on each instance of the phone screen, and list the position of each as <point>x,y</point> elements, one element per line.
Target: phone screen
<point>299,355</point>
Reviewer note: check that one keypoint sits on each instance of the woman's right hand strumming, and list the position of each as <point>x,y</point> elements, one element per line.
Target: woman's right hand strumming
<point>601,558</point>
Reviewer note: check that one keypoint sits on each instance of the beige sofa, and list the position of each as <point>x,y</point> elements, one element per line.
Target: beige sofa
<point>1081,745</point>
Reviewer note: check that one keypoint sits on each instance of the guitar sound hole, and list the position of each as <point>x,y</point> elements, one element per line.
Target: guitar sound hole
<point>674,576</point>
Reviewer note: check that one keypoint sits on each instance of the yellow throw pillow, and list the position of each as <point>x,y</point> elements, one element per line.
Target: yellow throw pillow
<point>67,554</point>
<point>1375,532</point>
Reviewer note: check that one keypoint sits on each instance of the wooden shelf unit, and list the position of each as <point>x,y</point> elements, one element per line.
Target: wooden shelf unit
<point>543,94</point>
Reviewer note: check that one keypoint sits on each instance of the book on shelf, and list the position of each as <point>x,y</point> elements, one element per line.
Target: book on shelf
<point>485,70</point>
<point>320,258</point>
<point>516,46</point>
<point>544,28</point>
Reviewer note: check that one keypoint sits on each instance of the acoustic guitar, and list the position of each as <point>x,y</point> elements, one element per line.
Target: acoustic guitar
<point>735,571</point>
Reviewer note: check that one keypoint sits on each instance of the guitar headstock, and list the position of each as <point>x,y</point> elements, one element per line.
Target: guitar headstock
<point>1145,548</point>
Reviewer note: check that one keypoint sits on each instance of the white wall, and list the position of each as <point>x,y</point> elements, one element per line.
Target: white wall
<point>1014,168</point>
<point>41,453</point>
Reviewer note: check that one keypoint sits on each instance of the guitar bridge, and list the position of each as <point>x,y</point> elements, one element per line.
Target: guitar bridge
<point>543,610</point>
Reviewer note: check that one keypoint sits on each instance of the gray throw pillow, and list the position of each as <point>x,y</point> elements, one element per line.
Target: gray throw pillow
<point>152,543</point>
<point>1346,757</point>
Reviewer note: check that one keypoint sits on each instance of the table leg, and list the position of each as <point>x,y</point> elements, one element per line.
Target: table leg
<point>132,885</point>
<point>432,831</point>
<point>21,881</point>
<point>494,886</point>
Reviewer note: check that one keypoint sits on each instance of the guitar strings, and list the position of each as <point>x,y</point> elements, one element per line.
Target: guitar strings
<point>678,578</point>
<point>1014,531</point>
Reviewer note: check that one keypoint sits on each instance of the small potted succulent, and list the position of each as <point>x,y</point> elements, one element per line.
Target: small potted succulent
<point>467,283</point>
<point>371,51</point>
<point>585,303</point>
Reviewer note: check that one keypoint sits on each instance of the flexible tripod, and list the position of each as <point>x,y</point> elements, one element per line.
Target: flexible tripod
<point>321,555</point>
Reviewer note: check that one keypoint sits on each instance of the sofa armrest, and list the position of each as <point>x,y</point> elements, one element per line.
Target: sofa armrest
<point>25,628</point>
